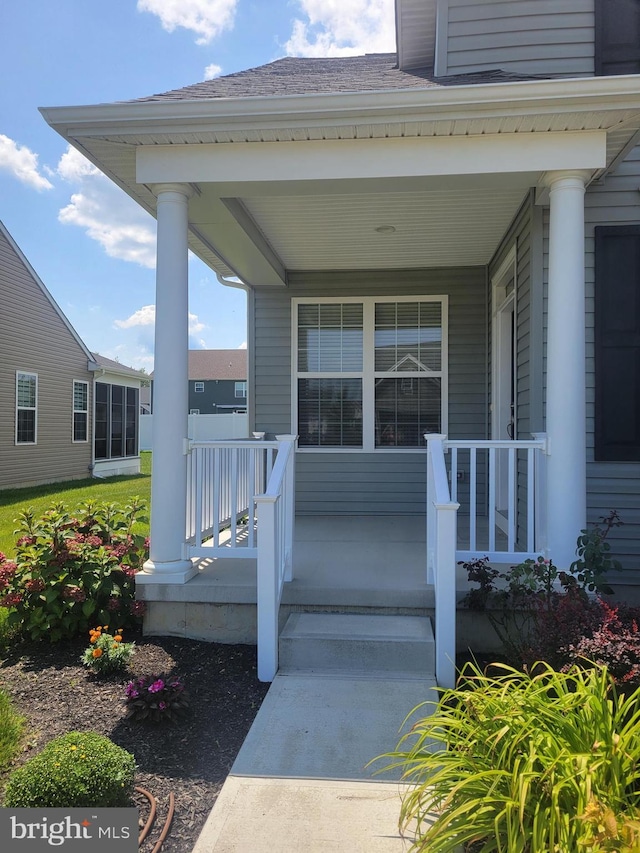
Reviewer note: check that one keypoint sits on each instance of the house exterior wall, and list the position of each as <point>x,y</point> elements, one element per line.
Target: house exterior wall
<point>359,482</point>
<point>35,339</point>
<point>218,395</point>
<point>611,485</point>
<point>550,37</point>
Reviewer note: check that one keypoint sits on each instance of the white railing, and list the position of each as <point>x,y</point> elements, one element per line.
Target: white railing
<point>223,478</point>
<point>276,516</point>
<point>494,508</point>
<point>441,559</point>
<point>499,485</point>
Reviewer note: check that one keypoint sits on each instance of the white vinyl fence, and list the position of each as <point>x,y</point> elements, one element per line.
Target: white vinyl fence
<point>201,428</point>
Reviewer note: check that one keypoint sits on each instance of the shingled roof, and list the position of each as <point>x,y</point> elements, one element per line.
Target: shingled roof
<point>115,367</point>
<point>303,76</point>
<point>218,364</point>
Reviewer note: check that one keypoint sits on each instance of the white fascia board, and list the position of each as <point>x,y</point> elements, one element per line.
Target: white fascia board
<point>569,95</point>
<point>370,159</point>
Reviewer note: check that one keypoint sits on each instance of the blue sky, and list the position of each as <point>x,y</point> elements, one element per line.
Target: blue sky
<point>93,247</point>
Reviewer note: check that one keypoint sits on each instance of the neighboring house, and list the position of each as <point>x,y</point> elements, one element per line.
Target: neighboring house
<point>471,202</point>
<point>46,381</point>
<point>117,418</point>
<point>217,381</point>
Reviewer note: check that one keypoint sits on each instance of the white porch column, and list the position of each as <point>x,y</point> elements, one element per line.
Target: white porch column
<point>167,563</point>
<point>566,413</point>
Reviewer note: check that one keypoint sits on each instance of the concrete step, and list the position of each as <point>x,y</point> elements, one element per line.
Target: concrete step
<point>367,645</point>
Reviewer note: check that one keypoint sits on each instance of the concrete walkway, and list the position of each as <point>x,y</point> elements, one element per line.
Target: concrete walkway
<point>300,783</point>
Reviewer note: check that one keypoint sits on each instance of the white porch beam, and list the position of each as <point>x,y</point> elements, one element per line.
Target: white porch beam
<point>369,159</point>
<point>166,563</point>
<point>566,410</point>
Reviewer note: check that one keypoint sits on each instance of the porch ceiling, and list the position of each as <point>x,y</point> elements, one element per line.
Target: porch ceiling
<point>260,224</point>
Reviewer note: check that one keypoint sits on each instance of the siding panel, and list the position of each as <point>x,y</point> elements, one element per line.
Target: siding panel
<point>34,338</point>
<point>549,37</point>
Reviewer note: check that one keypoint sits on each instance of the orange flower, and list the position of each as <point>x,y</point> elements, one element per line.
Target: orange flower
<point>105,627</point>
<point>97,653</point>
<point>118,638</point>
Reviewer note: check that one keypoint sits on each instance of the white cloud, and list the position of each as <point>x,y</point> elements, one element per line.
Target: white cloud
<point>206,18</point>
<point>22,163</point>
<point>212,71</point>
<point>343,28</point>
<point>243,345</point>
<point>145,316</point>
<point>106,213</point>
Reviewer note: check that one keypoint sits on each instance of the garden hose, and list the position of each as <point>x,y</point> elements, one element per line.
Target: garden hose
<point>152,816</point>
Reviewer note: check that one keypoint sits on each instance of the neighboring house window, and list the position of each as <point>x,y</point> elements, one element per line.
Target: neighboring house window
<point>26,407</point>
<point>80,411</point>
<point>116,421</point>
<point>617,42</point>
<point>241,389</point>
<point>198,387</point>
<point>194,411</point>
<point>617,343</point>
<point>370,372</point>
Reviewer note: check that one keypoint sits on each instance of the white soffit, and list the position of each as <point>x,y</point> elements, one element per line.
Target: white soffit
<point>436,228</point>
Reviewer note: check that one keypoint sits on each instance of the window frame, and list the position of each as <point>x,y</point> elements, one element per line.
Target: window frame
<point>75,411</point>
<point>369,374</point>
<point>20,408</point>
<point>124,422</point>
<point>198,387</point>
<point>243,389</point>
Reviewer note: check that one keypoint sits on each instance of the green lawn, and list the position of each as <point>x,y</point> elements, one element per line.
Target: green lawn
<point>117,490</point>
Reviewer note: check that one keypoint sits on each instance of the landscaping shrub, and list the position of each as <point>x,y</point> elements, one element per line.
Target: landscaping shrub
<point>79,769</point>
<point>73,571</point>
<point>531,763</point>
<point>107,653</point>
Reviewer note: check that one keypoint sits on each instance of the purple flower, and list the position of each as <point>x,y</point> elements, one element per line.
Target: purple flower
<point>156,687</point>
<point>162,706</point>
<point>131,691</point>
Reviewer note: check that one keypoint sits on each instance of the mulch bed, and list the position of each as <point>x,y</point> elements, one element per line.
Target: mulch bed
<point>191,758</point>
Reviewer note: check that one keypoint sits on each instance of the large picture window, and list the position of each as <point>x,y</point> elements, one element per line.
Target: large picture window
<point>26,407</point>
<point>369,373</point>
<point>116,421</point>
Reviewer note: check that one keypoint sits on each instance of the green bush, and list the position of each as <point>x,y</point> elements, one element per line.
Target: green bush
<point>531,763</point>
<point>79,769</point>
<point>11,727</point>
<point>72,571</point>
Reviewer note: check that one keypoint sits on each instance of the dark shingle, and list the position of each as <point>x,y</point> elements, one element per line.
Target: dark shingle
<point>303,76</point>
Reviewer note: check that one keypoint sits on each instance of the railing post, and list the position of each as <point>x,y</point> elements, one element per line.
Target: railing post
<point>431,498</point>
<point>445,594</point>
<point>289,508</point>
<point>540,475</point>
<point>267,588</point>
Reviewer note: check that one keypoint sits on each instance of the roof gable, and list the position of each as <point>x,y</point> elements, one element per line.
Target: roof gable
<point>207,364</point>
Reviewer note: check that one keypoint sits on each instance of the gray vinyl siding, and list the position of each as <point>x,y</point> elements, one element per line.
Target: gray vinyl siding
<point>548,37</point>
<point>376,483</point>
<point>34,338</point>
<point>611,485</point>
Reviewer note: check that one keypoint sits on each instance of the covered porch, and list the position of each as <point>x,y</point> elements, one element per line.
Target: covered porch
<point>457,194</point>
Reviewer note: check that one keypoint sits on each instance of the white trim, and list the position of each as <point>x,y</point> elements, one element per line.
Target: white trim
<point>29,373</point>
<point>196,387</point>
<point>368,374</point>
<point>75,411</point>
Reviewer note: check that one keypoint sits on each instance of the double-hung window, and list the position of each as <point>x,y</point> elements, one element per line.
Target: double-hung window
<point>26,407</point>
<point>369,373</point>
<point>80,411</point>
<point>198,387</point>
<point>240,389</point>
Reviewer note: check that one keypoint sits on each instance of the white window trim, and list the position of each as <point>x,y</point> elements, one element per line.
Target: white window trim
<point>243,393</point>
<point>75,411</point>
<point>26,409</point>
<point>197,389</point>
<point>194,411</point>
<point>368,374</point>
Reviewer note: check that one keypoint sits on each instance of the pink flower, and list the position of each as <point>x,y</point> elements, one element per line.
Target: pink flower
<point>131,691</point>
<point>74,593</point>
<point>162,706</point>
<point>24,540</point>
<point>11,599</point>
<point>156,687</point>
<point>113,604</point>
<point>35,585</point>
<point>137,608</point>
<point>95,541</point>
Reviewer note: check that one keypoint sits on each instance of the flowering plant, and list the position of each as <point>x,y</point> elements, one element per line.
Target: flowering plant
<point>107,653</point>
<point>72,571</point>
<point>156,698</point>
